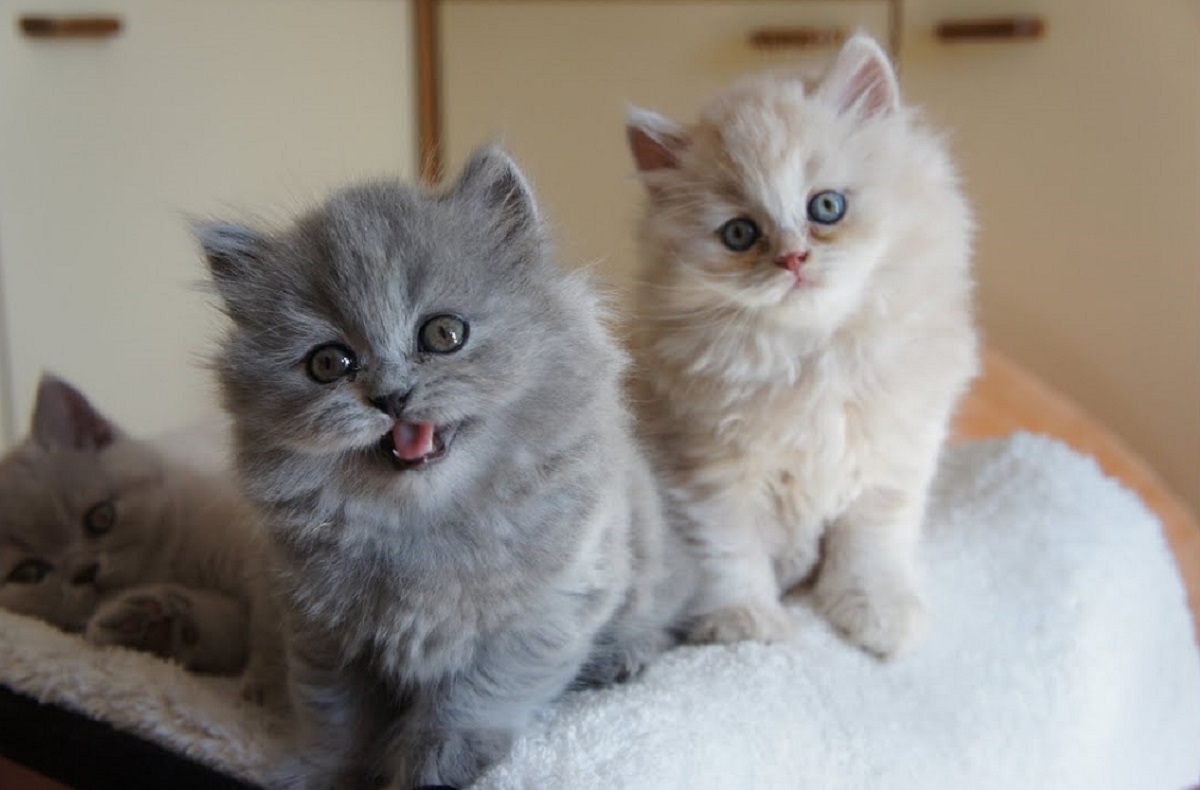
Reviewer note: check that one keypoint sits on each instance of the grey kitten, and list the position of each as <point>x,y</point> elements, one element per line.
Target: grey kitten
<point>101,534</point>
<point>428,411</point>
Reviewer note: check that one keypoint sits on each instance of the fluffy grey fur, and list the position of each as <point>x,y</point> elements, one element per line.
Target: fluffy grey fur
<point>432,610</point>
<point>103,534</point>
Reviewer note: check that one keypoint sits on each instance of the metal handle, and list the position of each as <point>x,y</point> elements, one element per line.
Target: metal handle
<point>796,37</point>
<point>1015,27</point>
<point>40,26</point>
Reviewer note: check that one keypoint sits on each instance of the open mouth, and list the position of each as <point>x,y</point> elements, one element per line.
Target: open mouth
<point>412,445</point>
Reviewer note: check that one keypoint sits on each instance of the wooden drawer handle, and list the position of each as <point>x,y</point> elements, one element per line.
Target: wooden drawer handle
<point>796,37</point>
<point>37,26</point>
<point>1015,27</point>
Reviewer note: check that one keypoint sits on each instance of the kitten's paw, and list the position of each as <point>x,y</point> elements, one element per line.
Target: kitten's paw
<point>265,693</point>
<point>883,619</point>
<point>623,663</point>
<point>158,622</point>
<point>297,773</point>
<point>264,682</point>
<point>742,623</point>
<point>455,759</point>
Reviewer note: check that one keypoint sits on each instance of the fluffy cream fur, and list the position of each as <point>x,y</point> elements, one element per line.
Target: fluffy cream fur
<point>800,412</point>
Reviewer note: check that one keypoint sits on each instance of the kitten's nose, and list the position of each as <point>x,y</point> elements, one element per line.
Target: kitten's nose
<point>391,404</point>
<point>86,575</point>
<point>792,260</point>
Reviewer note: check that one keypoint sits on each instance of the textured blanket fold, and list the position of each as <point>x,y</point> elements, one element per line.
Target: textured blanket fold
<point>1060,655</point>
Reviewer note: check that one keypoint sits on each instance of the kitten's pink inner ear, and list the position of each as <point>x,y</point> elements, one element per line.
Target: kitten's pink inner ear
<point>653,152</point>
<point>862,81</point>
<point>63,417</point>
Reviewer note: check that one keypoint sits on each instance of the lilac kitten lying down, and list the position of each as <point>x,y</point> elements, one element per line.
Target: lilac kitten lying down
<point>99,533</point>
<point>428,414</point>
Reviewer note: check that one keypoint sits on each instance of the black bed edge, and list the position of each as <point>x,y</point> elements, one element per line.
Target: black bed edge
<point>91,755</point>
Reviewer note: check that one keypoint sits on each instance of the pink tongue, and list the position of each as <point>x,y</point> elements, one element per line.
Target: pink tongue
<point>413,441</point>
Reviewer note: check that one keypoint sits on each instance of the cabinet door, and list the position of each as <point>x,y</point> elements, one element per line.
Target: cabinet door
<point>1078,151</point>
<point>107,147</point>
<point>1081,154</point>
<point>552,81</point>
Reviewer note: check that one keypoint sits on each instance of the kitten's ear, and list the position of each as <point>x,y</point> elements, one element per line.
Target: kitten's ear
<point>234,254</point>
<point>655,141</point>
<point>64,419</point>
<point>492,182</point>
<point>861,81</point>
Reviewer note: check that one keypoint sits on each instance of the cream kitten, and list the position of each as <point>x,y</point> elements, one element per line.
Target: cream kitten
<point>803,337</point>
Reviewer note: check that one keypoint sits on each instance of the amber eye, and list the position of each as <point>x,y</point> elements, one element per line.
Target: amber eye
<point>100,518</point>
<point>443,334</point>
<point>827,207</point>
<point>330,362</point>
<point>740,234</point>
<point>29,572</point>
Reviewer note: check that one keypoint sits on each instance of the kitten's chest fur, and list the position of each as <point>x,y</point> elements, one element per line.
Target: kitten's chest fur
<point>419,598</point>
<point>767,437</point>
<point>799,434</point>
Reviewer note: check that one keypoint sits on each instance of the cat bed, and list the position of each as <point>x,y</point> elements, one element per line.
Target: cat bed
<point>1061,654</point>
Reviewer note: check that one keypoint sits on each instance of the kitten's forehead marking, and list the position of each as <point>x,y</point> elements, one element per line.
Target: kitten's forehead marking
<point>394,257</point>
<point>8,539</point>
<point>362,266</point>
<point>40,526</point>
<point>766,164</point>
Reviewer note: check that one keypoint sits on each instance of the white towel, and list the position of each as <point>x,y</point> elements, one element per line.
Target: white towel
<point>1060,655</point>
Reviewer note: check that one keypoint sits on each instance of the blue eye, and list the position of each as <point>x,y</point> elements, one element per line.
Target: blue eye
<point>739,234</point>
<point>827,207</point>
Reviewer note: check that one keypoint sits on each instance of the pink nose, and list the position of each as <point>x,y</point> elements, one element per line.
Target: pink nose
<point>792,261</point>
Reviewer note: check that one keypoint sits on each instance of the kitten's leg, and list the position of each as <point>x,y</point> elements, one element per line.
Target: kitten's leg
<point>739,593</point>
<point>867,583</point>
<point>202,629</point>
<point>335,720</point>
<point>265,679</point>
<point>461,726</point>
<point>651,617</point>
<point>650,622</point>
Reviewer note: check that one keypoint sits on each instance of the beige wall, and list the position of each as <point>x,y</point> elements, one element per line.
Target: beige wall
<point>1081,153</point>
<point>221,108</point>
<point>552,80</point>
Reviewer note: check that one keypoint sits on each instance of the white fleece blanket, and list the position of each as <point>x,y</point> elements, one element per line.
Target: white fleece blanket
<point>1061,655</point>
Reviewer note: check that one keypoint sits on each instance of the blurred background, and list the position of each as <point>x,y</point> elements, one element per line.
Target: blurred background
<point>122,119</point>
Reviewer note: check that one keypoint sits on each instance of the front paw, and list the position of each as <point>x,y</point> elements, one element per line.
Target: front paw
<point>299,772</point>
<point>158,622</point>
<point>759,623</point>
<point>265,692</point>
<point>455,759</point>
<point>624,662</point>
<point>883,618</point>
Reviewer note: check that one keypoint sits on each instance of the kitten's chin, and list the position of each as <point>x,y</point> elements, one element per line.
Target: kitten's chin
<point>410,446</point>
